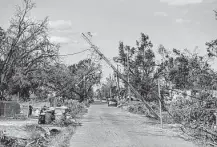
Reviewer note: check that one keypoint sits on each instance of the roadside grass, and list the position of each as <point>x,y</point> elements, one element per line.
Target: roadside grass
<point>171,122</point>
<point>63,138</point>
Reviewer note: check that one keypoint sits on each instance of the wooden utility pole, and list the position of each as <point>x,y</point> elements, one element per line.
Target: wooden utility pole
<point>110,86</point>
<point>128,76</point>
<point>84,86</point>
<point>143,64</point>
<point>118,84</point>
<point>161,121</point>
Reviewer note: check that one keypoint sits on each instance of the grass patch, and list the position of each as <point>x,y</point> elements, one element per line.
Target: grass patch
<point>63,138</point>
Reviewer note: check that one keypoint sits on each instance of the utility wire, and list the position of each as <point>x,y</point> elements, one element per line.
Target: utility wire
<point>58,55</point>
<point>73,53</point>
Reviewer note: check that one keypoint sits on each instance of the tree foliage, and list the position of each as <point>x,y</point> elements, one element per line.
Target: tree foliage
<point>142,66</point>
<point>25,50</point>
<point>109,88</point>
<point>87,75</point>
<point>212,45</point>
<point>75,81</point>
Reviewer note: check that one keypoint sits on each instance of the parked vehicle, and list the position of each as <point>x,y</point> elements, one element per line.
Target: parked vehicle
<point>112,102</point>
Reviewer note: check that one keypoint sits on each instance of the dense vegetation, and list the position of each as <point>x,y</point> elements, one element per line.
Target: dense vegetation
<point>179,71</point>
<point>30,62</point>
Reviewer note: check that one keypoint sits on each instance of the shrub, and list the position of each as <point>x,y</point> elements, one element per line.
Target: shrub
<point>74,109</point>
<point>63,121</point>
<point>138,109</point>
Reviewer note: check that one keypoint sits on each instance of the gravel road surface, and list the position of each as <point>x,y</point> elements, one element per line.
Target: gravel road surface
<point>105,126</point>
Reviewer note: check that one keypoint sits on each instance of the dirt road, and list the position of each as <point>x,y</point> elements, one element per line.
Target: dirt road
<point>105,126</point>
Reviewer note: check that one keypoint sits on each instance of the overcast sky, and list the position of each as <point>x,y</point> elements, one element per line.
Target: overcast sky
<point>174,23</point>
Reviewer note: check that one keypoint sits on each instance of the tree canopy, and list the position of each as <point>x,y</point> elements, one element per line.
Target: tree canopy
<point>30,62</point>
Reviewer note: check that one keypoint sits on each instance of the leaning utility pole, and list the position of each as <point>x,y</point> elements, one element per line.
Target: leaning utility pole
<point>96,49</point>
